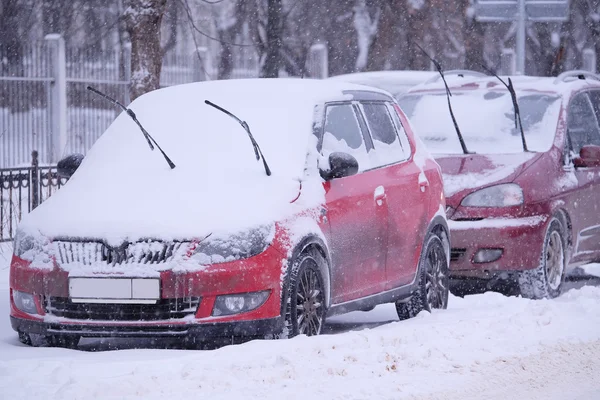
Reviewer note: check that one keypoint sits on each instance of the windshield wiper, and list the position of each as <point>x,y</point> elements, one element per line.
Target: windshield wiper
<point>257,151</point>
<point>438,66</point>
<point>131,114</point>
<point>513,96</point>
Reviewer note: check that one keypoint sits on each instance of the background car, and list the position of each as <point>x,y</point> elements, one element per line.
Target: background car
<point>327,205</point>
<point>515,213</point>
<point>395,82</point>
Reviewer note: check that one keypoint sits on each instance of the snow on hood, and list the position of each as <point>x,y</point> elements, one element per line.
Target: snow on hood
<point>463,173</point>
<point>124,191</point>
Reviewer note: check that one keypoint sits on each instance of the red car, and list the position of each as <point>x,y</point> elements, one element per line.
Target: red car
<point>319,202</point>
<point>521,206</point>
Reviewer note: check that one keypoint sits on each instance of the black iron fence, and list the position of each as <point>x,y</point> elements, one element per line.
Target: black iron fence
<point>22,190</point>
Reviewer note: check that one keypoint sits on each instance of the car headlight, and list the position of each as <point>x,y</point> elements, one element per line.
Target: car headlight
<point>504,195</point>
<point>25,245</point>
<point>224,248</point>
<point>24,302</point>
<point>239,303</point>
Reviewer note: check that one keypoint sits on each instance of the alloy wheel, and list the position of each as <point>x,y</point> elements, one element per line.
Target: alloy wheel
<point>436,278</point>
<point>309,302</point>
<point>555,260</point>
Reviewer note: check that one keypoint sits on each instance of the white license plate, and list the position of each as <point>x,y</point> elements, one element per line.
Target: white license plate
<point>114,290</point>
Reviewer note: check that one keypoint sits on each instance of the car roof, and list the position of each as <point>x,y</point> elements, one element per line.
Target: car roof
<point>563,85</point>
<point>306,91</point>
<point>387,80</point>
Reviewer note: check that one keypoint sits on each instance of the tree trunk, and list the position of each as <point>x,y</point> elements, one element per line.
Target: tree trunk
<point>474,39</point>
<point>142,22</point>
<point>272,63</point>
<point>379,53</point>
<point>418,25</point>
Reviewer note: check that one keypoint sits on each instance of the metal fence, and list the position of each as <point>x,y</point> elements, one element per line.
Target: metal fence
<point>23,189</point>
<point>44,104</point>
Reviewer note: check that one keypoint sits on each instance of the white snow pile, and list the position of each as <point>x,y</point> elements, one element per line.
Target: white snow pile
<point>484,346</point>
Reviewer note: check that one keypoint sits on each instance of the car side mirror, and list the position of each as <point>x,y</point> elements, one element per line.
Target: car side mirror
<point>340,165</point>
<point>589,156</point>
<point>68,165</point>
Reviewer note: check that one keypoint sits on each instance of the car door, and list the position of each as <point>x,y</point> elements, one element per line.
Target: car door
<point>406,191</point>
<point>356,210</point>
<point>583,128</point>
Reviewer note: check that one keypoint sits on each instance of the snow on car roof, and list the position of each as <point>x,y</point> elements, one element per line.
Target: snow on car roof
<point>124,191</point>
<point>396,82</point>
<point>530,83</point>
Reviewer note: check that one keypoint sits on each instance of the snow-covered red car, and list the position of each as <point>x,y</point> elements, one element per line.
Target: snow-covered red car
<point>522,206</point>
<point>280,202</point>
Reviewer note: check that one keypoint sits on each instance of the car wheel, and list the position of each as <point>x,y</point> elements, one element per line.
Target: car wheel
<point>545,281</point>
<point>305,302</point>
<point>25,338</point>
<point>432,281</point>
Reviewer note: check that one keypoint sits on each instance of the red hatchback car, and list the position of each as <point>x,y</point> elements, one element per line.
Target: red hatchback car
<point>328,205</point>
<point>527,213</point>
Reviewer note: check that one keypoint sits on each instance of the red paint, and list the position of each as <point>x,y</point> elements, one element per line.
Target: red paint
<point>549,186</point>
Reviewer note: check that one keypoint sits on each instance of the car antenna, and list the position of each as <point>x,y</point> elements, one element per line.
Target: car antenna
<point>438,66</point>
<point>513,96</point>
<point>131,114</point>
<point>257,151</point>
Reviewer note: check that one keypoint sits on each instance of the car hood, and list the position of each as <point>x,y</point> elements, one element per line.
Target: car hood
<point>147,208</point>
<point>465,173</point>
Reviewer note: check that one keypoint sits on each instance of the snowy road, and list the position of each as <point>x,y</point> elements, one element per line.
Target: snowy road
<point>484,346</point>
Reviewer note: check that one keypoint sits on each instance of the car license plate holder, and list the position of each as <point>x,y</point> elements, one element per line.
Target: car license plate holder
<point>114,290</point>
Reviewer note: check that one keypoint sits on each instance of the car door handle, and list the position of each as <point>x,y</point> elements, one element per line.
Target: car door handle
<point>379,195</point>
<point>423,182</point>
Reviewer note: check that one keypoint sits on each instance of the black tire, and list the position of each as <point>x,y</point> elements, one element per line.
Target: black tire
<point>25,339</point>
<point>545,281</point>
<point>35,340</point>
<point>305,306</point>
<point>432,289</point>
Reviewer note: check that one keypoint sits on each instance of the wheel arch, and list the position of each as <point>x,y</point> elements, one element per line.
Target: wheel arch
<point>564,218</point>
<point>307,243</point>
<point>439,227</point>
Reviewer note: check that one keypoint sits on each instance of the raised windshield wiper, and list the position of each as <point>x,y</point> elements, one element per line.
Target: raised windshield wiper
<point>131,114</point>
<point>513,96</point>
<point>257,151</point>
<point>438,66</point>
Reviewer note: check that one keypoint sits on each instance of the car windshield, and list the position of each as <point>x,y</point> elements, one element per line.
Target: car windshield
<point>486,120</point>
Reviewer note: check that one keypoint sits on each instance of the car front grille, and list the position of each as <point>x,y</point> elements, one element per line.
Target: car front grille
<point>164,309</point>
<point>456,254</point>
<point>88,253</point>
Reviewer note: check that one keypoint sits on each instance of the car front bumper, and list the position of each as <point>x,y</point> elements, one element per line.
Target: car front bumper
<point>56,313</point>
<point>255,328</point>
<point>518,241</point>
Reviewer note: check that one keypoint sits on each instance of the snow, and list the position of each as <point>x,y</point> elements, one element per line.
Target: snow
<point>124,191</point>
<point>497,223</point>
<point>395,82</point>
<point>483,346</point>
<point>489,130</point>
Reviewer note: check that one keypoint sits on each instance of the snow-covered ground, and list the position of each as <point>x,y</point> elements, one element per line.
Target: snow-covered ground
<point>484,346</point>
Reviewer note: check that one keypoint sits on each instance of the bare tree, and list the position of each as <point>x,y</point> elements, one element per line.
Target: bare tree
<point>142,21</point>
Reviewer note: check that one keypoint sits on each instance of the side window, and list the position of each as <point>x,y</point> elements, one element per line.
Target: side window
<point>386,144</point>
<point>401,132</point>
<point>342,133</point>
<point>582,123</point>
